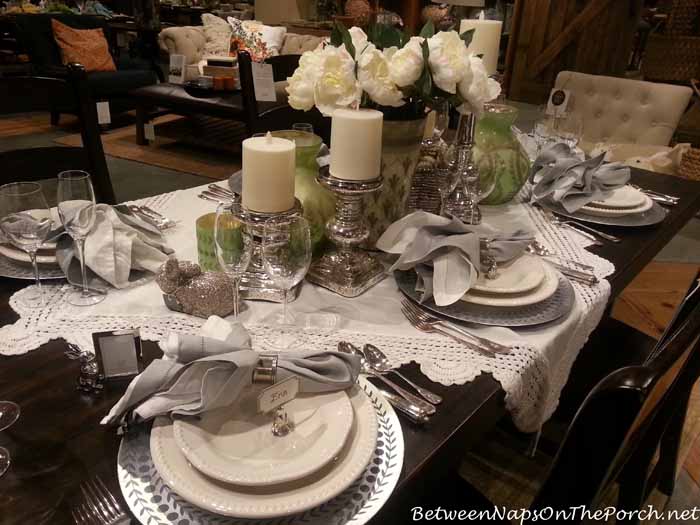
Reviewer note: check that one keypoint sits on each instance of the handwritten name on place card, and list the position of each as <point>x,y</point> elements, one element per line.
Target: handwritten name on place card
<point>278,394</point>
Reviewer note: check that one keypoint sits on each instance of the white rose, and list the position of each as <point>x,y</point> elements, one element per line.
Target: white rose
<point>374,77</point>
<point>336,85</point>
<point>476,88</point>
<point>447,60</point>
<point>406,64</point>
<point>359,40</point>
<point>300,85</point>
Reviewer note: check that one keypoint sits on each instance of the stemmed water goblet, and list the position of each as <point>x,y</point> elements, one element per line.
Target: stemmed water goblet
<point>303,126</point>
<point>9,413</point>
<point>286,256</point>
<point>25,219</point>
<point>77,209</point>
<point>233,247</point>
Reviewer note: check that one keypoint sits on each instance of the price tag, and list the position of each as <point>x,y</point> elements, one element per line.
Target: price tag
<point>176,71</point>
<point>278,394</point>
<point>558,102</point>
<point>264,82</point>
<point>149,131</point>
<point>103,115</point>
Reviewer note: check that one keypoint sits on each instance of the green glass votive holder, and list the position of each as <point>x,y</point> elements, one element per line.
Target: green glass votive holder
<point>206,250</point>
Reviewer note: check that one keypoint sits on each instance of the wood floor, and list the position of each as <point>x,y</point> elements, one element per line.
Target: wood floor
<point>648,304</point>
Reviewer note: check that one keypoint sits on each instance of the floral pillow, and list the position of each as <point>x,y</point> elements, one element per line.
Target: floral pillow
<point>217,33</point>
<point>243,40</point>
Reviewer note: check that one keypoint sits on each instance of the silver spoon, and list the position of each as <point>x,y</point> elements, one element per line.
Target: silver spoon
<point>424,406</point>
<point>379,362</point>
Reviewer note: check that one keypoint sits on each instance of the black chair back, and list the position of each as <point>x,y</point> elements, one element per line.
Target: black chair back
<point>41,94</point>
<point>621,423</point>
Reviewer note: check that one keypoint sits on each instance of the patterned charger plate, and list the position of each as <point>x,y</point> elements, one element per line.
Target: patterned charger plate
<point>548,310</point>
<point>654,215</point>
<point>154,503</point>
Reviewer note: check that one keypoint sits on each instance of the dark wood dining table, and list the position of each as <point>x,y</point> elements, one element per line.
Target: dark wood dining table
<point>58,442</point>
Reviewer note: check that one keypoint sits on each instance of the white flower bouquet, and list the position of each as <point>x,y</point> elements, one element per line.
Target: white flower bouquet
<point>387,69</point>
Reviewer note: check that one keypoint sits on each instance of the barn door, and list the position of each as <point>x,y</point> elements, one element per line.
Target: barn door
<point>548,36</point>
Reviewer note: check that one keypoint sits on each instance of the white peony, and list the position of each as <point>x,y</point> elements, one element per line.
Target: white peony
<point>300,85</point>
<point>447,59</point>
<point>375,79</point>
<point>336,85</point>
<point>476,88</point>
<point>359,40</point>
<point>406,64</point>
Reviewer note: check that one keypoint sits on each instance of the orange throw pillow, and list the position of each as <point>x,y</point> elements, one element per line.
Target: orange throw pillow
<point>85,46</point>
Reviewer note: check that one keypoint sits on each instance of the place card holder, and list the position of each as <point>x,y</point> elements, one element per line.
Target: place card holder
<point>118,354</point>
<point>273,398</point>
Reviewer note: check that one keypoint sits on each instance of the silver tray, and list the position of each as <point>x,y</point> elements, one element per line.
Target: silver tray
<point>654,215</point>
<point>20,270</point>
<point>545,311</point>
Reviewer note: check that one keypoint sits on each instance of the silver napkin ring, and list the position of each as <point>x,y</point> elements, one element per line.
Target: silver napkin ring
<point>266,370</point>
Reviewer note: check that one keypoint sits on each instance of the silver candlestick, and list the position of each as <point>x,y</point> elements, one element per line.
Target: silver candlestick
<point>463,200</point>
<point>347,270</point>
<point>256,283</point>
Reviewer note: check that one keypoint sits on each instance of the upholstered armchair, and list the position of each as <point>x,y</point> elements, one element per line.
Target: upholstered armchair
<point>635,116</point>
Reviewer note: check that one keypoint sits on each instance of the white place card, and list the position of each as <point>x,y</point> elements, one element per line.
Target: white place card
<point>558,102</point>
<point>176,71</point>
<point>103,114</point>
<point>264,82</point>
<point>278,394</point>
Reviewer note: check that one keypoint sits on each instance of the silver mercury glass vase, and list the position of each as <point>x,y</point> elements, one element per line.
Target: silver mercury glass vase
<point>463,200</point>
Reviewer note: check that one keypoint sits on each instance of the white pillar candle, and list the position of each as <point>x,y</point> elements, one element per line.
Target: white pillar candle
<point>356,144</point>
<point>486,40</point>
<point>268,174</point>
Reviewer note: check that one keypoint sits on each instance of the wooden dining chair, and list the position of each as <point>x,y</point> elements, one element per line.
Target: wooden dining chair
<point>33,164</point>
<point>628,416</point>
<point>271,116</point>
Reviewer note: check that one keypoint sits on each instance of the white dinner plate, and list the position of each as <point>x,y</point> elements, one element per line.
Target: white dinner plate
<point>18,255</point>
<point>238,447</point>
<point>519,276</point>
<point>625,197</point>
<point>543,291</point>
<point>274,500</point>
<point>617,212</point>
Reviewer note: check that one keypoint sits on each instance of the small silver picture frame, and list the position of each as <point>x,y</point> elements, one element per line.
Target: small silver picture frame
<point>118,353</point>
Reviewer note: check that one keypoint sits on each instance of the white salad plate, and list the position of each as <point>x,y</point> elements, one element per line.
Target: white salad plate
<point>519,276</point>
<point>274,500</point>
<point>616,212</point>
<point>18,255</point>
<point>625,197</point>
<point>544,291</point>
<point>237,446</point>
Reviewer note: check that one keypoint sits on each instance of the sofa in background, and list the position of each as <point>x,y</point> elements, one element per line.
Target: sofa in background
<point>36,37</point>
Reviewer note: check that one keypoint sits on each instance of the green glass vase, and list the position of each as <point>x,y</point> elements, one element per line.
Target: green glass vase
<point>318,202</point>
<point>499,155</point>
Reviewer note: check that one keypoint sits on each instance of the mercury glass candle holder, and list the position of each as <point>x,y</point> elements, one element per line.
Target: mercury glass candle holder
<point>347,269</point>
<point>256,283</point>
<point>463,200</point>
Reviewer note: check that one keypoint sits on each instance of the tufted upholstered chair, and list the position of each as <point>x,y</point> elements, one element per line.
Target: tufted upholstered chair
<point>624,111</point>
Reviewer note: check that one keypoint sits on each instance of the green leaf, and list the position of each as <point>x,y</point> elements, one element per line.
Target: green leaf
<point>428,29</point>
<point>467,37</point>
<point>346,38</point>
<point>391,37</point>
<point>336,36</point>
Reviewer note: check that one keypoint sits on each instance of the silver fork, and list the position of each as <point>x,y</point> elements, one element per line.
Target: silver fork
<point>100,507</point>
<point>431,320</point>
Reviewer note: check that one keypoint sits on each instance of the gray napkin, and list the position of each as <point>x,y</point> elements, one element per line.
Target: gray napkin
<point>446,253</point>
<point>200,374</point>
<point>561,176</point>
<point>120,249</point>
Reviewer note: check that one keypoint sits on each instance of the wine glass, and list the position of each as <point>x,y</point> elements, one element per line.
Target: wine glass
<point>544,132</point>
<point>9,413</point>
<point>233,246</point>
<point>25,219</point>
<point>286,256</point>
<point>303,126</point>
<point>77,208</point>
<point>570,129</point>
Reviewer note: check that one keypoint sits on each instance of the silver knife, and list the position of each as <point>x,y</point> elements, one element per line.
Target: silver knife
<point>413,412</point>
<point>577,275</point>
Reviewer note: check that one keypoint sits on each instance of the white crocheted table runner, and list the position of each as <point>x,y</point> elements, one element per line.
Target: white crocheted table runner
<point>532,375</point>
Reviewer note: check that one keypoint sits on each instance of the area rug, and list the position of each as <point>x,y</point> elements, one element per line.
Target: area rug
<point>178,154</point>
